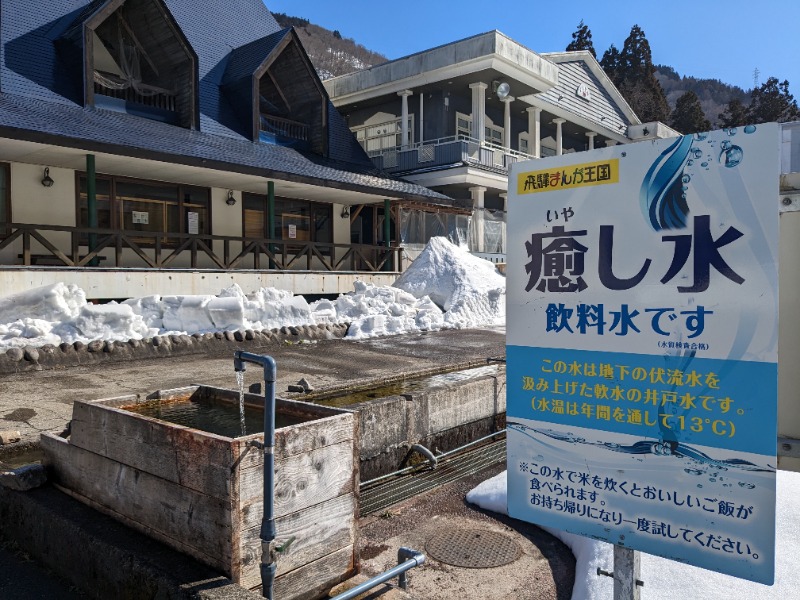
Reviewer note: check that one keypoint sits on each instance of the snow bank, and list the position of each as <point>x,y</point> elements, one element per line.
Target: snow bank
<point>445,287</point>
<point>665,579</point>
<point>468,289</point>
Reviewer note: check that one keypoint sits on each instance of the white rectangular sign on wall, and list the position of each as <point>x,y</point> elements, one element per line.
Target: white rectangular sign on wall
<point>642,346</point>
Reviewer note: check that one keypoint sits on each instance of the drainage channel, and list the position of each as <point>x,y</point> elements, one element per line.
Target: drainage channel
<point>379,496</point>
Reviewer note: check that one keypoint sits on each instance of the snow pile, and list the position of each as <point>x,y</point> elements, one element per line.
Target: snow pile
<point>445,287</point>
<point>666,579</point>
<point>468,289</point>
<point>230,310</point>
<point>374,311</point>
<point>59,313</point>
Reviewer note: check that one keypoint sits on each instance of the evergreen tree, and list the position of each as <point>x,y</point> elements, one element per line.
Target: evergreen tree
<point>611,64</point>
<point>582,39</point>
<point>637,78</point>
<point>688,116</point>
<point>772,102</point>
<point>734,115</point>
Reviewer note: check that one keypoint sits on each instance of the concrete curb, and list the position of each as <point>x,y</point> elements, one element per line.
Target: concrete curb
<point>28,358</point>
<point>101,557</point>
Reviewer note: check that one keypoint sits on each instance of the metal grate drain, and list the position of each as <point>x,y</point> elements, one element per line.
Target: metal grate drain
<point>473,548</point>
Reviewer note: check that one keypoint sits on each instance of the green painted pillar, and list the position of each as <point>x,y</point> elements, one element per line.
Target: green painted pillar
<point>271,217</point>
<point>387,232</point>
<point>91,202</point>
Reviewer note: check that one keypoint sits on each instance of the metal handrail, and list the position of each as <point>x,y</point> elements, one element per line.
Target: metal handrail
<point>448,140</point>
<point>407,559</point>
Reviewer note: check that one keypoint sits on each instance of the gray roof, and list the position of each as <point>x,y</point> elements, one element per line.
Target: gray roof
<point>42,97</point>
<point>120,133</point>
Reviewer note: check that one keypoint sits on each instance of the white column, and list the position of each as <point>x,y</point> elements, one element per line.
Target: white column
<point>610,143</point>
<point>478,110</point>
<point>477,217</point>
<point>421,118</point>
<point>507,121</point>
<point>590,135</point>
<point>404,117</point>
<point>534,131</point>
<point>559,148</point>
<point>504,196</point>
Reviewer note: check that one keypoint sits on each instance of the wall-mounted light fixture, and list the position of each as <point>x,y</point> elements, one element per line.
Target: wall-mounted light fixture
<point>345,212</point>
<point>230,200</point>
<point>645,132</point>
<point>47,181</point>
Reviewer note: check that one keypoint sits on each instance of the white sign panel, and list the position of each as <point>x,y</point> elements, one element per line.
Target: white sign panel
<point>194,222</point>
<point>642,346</point>
<point>292,232</point>
<point>140,217</point>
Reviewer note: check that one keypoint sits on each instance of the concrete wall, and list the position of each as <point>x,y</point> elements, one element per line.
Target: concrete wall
<point>132,283</point>
<point>31,202</point>
<point>440,419</point>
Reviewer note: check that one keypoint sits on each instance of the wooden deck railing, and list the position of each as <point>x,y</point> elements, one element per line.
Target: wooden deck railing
<point>155,250</point>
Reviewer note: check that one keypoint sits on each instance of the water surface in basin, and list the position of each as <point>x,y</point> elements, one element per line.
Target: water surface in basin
<point>220,418</point>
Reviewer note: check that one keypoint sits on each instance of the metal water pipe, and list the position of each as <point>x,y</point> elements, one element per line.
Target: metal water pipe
<point>267,534</point>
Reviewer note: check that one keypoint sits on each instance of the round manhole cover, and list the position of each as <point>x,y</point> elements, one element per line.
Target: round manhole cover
<point>473,548</point>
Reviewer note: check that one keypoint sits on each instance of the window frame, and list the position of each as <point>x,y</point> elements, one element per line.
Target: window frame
<point>116,205</point>
<point>282,217</point>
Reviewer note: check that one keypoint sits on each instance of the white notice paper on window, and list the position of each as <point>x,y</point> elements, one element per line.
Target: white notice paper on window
<point>142,218</point>
<point>292,232</point>
<point>194,223</point>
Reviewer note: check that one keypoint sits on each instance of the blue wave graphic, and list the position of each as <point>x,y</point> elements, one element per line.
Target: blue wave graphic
<point>661,195</point>
<point>646,446</point>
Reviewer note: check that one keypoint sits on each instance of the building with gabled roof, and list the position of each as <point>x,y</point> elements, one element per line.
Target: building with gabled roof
<point>158,139</point>
<point>455,117</point>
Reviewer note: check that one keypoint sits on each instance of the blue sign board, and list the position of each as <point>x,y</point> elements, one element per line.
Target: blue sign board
<point>642,314</point>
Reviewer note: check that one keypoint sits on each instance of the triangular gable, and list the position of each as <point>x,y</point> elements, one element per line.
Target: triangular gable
<point>585,90</point>
<point>283,85</point>
<point>153,33</point>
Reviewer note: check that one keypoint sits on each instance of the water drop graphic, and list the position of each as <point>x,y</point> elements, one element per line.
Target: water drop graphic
<point>686,179</point>
<point>725,145</point>
<point>704,164</point>
<point>750,129</point>
<point>747,485</point>
<point>700,136</point>
<point>697,153</point>
<point>732,131</point>
<point>732,156</point>
<point>690,162</point>
<point>694,471</point>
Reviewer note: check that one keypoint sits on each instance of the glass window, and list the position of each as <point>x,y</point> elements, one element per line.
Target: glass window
<point>255,215</point>
<point>294,219</point>
<point>5,198</point>
<point>146,206</point>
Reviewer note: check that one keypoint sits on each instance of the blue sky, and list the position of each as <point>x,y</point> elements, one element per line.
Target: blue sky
<point>699,38</point>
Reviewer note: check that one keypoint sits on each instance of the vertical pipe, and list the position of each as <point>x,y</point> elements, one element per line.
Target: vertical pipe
<point>91,203</point>
<point>387,231</point>
<point>271,217</point>
<point>267,533</point>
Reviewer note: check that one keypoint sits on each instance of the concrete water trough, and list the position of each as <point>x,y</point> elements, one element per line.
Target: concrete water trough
<point>200,492</point>
<point>439,411</point>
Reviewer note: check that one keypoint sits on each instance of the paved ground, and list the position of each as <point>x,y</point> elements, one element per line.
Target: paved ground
<point>545,569</point>
<point>39,401</point>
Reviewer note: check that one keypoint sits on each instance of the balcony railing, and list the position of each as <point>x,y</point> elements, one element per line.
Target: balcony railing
<point>284,127</point>
<point>446,151</point>
<point>157,250</point>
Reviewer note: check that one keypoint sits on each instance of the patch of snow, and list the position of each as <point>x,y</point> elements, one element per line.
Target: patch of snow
<point>666,579</point>
<point>445,287</point>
